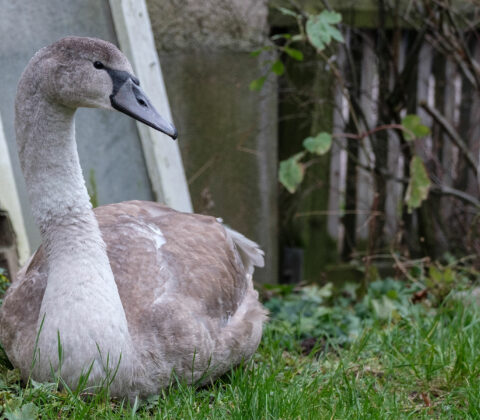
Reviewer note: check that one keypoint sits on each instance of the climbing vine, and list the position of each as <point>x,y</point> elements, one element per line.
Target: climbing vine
<point>321,31</point>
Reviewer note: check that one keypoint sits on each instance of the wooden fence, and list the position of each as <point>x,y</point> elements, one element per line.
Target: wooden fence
<point>365,214</point>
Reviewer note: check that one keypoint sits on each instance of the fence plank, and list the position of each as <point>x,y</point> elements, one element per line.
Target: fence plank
<point>473,184</point>
<point>449,154</point>
<point>395,164</point>
<point>336,196</point>
<point>162,155</point>
<point>425,93</point>
<point>368,102</point>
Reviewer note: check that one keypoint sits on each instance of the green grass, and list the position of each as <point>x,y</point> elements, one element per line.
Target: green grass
<point>397,361</point>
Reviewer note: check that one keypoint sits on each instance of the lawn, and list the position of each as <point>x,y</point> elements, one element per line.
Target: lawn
<point>401,349</point>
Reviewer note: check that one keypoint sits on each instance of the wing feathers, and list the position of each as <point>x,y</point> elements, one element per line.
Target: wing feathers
<point>249,251</point>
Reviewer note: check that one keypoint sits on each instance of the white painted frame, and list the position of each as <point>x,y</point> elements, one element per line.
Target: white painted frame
<point>10,201</point>
<point>162,155</point>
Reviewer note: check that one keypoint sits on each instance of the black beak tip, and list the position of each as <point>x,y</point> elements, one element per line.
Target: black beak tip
<point>175,134</point>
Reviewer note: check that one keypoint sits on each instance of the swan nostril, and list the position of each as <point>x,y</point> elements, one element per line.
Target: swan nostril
<point>141,102</point>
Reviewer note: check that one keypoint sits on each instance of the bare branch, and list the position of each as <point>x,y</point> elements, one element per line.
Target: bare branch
<point>444,190</point>
<point>435,188</point>
<point>453,134</point>
<point>373,131</point>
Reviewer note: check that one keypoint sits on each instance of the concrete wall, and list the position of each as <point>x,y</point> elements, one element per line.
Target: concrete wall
<point>108,143</point>
<point>227,134</point>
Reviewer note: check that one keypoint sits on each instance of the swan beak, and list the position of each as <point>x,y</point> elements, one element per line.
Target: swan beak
<point>131,100</point>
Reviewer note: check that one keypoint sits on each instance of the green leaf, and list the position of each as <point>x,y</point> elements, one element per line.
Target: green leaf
<point>280,36</point>
<point>320,144</point>
<point>287,12</point>
<point>256,53</point>
<point>298,37</point>
<point>383,308</point>
<point>392,294</point>
<point>448,275</point>
<point>320,29</point>
<point>435,276</point>
<point>278,68</point>
<point>294,53</point>
<point>419,184</point>
<point>318,294</point>
<point>26,412</point>
<point>336,34</point>
<point>414,127</point>
<point>331,17</point>
<point>291,172</point>
<point>257,84</point>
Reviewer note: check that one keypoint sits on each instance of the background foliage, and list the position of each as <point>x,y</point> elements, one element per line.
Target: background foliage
<point>413,160</point>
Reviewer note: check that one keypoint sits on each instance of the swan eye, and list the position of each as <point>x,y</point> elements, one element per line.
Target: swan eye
<point>98,65</point>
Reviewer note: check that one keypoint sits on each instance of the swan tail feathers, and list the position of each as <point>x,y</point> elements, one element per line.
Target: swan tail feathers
<point>249,252</point>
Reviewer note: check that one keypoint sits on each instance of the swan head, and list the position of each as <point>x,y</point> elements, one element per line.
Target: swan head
<point>89,72</point>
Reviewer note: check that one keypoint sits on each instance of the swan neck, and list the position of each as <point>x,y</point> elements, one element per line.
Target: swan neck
<point>81,303</point>
<point>50,163</point>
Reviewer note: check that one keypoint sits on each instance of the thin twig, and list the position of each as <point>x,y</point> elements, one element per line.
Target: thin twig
<point>204,167</point>
<point>435,188</point>
<point>401,267</point>
<point>368,133</point>
<point>336,212</point>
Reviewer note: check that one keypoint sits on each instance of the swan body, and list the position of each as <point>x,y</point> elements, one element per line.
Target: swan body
<point>128,293</point>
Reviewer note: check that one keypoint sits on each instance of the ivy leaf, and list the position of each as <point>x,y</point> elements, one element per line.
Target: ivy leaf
<point>257,84</point>
<point>294,53</point>
<point>414,127</point>
<point>26,412</point>
<point>291,172</point>
<point>383,308</point>
<point>330,17</point>
<point>321,30</point>
<point>418,186</point>
<point>320,144</point>
<point>278,68</point>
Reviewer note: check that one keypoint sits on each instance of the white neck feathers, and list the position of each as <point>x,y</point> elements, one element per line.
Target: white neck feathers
<point>81,301</point>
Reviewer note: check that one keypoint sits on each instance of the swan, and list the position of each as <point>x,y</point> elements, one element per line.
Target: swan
<point>127,294</point>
